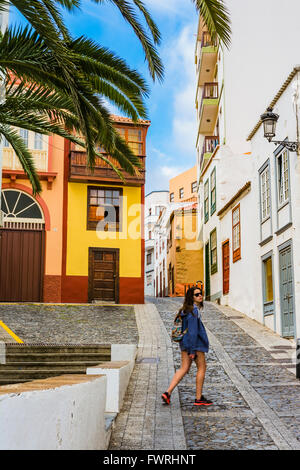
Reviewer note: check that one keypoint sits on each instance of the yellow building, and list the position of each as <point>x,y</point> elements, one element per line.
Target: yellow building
<point>103,243</point>
<point>184,251</point>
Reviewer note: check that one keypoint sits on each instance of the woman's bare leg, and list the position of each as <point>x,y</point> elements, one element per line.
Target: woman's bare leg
<point>201,369</point>
<point>186,362</point>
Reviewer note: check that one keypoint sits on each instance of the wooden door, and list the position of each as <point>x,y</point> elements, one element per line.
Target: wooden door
<point>104,274</point>
<point>286,292</point>
<point>21,265</point>
<point>225,262</point>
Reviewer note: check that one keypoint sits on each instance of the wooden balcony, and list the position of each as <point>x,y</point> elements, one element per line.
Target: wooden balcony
<point>209,108</point>
<point>103,173</point>
<point>207,59</point>
<point>209,145</point>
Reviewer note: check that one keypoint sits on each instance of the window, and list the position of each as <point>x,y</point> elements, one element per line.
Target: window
<point>149,280</point>
<point>265,193</point>
<point>236,234</point>
<point>172,197</point>
<point>104,209</point>
<point>38,141</point>
<point>150,211</point>
<point>213,252</point>
<point>134,138</point>
<point>158,210</point>
<point>149,258</point>
<point>150,235</point>
<point>206,209</point>
<point>194,186</point>
<point>268,280</point>
<point>213,192</point>
<point>24,135</point>
<point>135,141</point>
<point>283,177</point>
<point>181,193</point>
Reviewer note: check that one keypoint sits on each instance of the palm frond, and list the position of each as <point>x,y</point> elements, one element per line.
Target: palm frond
<point>216,17</point>
<point>128,12</point>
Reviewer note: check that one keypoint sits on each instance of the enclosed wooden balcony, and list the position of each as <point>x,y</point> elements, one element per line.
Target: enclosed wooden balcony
<point>209,145</point>
<point>209,108</point>
<point>207,60</point>
<point>79,172</point>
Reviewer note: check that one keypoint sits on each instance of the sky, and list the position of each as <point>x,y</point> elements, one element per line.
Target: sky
<point>171,105</point>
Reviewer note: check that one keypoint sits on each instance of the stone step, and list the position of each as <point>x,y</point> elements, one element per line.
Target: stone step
<point>55,357</point>
<point>47,365</point>
<point>57,348</point>
<point>30,374</point>
<point>26,362</point>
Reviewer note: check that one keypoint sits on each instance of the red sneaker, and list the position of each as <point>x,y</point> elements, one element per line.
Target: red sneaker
<point>166,398</point>
<point>203,401</point>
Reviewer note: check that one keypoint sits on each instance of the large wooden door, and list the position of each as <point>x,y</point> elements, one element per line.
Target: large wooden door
<point>286,292</point>
<point>225,258</point>
<point>21,265</point>
<point>104,274</point>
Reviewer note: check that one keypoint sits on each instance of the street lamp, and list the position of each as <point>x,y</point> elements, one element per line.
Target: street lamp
<point>269,120</point>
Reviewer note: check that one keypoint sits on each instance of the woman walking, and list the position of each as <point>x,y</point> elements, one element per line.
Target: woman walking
<point>193,345</point>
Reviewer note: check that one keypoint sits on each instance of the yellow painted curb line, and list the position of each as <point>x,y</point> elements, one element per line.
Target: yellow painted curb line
<point>11,333</point>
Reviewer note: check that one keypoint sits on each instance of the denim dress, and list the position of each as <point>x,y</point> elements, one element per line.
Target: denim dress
<point>195,338</point>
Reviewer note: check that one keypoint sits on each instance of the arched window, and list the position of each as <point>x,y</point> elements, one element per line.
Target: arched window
<point>21,211</point>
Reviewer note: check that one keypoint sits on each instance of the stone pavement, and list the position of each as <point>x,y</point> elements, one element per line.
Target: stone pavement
<point>144,423</point>
<point>256,396</point>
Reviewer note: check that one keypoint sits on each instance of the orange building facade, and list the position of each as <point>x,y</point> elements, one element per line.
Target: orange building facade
<point>184,250</point>
<point>52,248</point>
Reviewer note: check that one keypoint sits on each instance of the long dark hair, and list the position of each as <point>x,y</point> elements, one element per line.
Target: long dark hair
<point>188,303</point>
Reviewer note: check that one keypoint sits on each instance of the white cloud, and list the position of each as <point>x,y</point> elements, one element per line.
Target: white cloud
<point>180,64</point>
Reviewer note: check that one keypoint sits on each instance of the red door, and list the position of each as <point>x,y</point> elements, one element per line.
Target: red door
<point>225,257</point>
<point>21,265</point>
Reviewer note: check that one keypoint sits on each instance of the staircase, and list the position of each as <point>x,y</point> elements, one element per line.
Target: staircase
<point>26,362</point>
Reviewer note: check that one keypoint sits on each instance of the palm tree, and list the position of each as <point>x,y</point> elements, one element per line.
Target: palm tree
<point>48,105</point>
<point>72,73</point>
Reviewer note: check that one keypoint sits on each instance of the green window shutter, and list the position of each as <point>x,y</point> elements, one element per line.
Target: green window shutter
<point>206,201</point>
<point>213,252</point>
<point>213,192</point>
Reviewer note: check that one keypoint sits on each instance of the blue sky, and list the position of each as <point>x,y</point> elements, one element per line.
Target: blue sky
<point>171,105</point>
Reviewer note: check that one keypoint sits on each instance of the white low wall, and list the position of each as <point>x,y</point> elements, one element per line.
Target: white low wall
<point>55,413</point>
<point>118,373</point>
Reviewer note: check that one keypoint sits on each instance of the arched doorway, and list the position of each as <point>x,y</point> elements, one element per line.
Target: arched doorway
<point>22,248</point>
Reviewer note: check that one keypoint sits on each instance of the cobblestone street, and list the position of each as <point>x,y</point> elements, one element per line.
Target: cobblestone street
<point>256,397</point>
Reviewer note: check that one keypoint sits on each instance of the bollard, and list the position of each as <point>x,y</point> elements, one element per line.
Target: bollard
<point>298,359</point>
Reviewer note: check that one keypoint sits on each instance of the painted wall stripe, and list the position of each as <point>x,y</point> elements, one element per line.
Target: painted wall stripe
<point>11,333</point>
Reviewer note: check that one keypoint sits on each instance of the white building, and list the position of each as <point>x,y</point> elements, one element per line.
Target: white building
<point>160,252</point>
<point>277,189</point>
<point>233,88</point>
<point>155,202</point>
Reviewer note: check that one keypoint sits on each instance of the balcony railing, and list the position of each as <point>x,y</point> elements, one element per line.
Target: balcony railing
<point>11,161</point>
<point>207,40</point>
<point>209,145</point>
<point>210,91</point>
<point>79,171</point>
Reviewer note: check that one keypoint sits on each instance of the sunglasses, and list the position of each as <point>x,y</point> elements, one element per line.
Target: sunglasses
<point>197,295</point>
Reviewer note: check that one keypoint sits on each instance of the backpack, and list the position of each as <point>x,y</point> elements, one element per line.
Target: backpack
<point>177,333</point>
